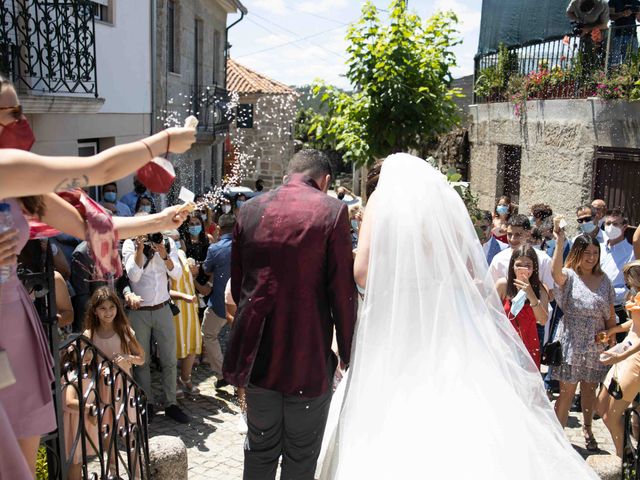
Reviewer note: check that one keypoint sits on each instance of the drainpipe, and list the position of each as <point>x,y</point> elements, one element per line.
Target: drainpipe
<point>243,12</point>
<point>153,33</point>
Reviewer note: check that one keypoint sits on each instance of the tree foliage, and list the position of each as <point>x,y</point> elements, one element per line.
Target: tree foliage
<point>402,78</point>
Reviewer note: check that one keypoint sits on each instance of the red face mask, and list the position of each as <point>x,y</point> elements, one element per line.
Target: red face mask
<point>17,135</point>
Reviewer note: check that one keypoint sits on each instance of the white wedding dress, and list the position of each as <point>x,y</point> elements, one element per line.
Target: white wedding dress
<point>440,385</point>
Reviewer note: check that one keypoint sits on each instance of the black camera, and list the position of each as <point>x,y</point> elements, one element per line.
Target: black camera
<point>156,237</point>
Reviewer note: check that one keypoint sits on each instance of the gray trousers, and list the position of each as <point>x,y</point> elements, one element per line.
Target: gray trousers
<point>211,326</point>
<point>160,323</point>
<point>285,425</point>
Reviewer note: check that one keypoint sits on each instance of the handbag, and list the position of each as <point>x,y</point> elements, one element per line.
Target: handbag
<point>552,350</point>
<point>175,310</point>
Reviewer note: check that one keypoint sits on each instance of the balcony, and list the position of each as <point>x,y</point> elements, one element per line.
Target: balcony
<point>212,105</point>
<point>569,67</point>
<point>48,50</point>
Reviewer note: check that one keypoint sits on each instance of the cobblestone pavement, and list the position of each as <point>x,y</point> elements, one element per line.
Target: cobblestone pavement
<point>215,446</point>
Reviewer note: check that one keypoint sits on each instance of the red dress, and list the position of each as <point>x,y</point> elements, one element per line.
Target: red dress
<point>526,326</point>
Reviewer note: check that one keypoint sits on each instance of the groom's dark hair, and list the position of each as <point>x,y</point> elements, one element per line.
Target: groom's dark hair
<point>311,162</point>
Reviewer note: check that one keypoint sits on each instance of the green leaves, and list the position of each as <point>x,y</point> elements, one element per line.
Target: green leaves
<point>401,72</point>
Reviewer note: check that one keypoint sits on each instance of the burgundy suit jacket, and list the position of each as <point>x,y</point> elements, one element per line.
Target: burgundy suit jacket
<point>292,279</point>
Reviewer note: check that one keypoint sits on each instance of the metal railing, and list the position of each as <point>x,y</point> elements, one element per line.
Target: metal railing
<point>211,104</point>
<point>49,46</point>
<point>573,66</point>
<point>109,438</point>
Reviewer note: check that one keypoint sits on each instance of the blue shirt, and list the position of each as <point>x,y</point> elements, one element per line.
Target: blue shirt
<point>612,260</point>
<point>218,263</point>
<point>122,210</point>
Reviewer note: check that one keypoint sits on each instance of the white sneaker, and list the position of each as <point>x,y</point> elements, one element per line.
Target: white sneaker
<point>242,424</point>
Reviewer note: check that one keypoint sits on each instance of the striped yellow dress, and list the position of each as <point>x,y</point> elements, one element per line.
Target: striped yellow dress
<point>188,336</point>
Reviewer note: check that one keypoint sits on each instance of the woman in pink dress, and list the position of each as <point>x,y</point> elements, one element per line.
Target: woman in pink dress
<point>28,402</point>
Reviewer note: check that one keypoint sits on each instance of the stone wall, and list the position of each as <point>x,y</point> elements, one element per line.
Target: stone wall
<point>269,144</point>
<point>558,139</point>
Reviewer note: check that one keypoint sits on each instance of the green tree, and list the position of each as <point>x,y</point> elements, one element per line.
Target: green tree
<point>401,73</point>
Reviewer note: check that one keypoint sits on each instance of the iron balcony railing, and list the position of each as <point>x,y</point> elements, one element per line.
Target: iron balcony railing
<point>573,66</point>
<point>48,47</point>
<point>211,104</point>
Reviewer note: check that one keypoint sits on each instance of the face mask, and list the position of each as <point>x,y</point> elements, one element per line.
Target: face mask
<point>518,302</point>
<point>239,203</point>
<point>355,226</point>
<point>195,229</point>
<point>203,217</point>
<point>613,232</point>
<point>145,208</point>
<point>226,208</point>
<point>502,209</point>
<point>109,197</point>
<point>587,227</point>
<point>17,135</point>
<point>139,188</point>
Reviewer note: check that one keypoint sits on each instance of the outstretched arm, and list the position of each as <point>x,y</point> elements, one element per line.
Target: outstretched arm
<point>24,173</point>
<point>556,264</point>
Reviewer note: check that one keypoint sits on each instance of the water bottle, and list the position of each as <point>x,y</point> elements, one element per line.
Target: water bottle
<point>6,223</point>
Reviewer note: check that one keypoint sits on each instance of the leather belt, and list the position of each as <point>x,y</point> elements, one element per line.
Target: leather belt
<point>155,307</point>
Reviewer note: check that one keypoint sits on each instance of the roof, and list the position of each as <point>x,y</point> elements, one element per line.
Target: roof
<point>244,80</point>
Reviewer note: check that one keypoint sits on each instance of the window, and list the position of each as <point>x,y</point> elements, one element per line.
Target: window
<point>198,40</point>
<point>509,158</point>
<point>102,10</point>
<point>244,117</point>
<point>172,57</point>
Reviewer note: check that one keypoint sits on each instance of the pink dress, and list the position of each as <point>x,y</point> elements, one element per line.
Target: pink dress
<point>71,419</point>
<point>28,402</point>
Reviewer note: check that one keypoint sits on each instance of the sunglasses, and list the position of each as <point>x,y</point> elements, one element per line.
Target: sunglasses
<point>585,219</point>
<point>15,111</point>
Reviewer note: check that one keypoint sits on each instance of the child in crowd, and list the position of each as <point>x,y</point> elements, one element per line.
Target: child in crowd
<point>107,326</point>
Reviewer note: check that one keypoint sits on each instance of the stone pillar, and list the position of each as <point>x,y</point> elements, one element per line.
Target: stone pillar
<point>167,458</point>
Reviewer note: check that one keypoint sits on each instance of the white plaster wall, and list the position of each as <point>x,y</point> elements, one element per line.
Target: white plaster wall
<point>123,52</point>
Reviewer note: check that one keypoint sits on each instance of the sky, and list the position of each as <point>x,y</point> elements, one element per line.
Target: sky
<point>299,41</point>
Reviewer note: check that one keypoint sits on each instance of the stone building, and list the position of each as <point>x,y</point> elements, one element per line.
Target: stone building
<point>556,140</point>
<point>189,65</point>
<point>263,129</point>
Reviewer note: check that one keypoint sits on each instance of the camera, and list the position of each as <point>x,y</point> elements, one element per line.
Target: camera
<point>156,237</point>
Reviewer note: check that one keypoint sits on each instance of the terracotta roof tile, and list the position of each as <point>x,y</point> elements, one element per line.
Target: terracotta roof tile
<point>244,80</point>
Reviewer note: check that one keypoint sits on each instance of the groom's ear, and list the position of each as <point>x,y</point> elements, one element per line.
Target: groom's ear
<point>327,183</point>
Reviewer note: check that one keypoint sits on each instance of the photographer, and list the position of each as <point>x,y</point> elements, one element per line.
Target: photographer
<point>149,261</point>
<point>623,15</point>
<point>589,15</point>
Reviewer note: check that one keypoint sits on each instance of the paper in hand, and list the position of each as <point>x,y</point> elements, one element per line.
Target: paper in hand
<point>186,195</point>
<point>563,223</point>
<point>190,122</point>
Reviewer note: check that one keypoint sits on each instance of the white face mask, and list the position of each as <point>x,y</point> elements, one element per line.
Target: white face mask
<point>226,208</point>
<point>613,232</point>
<point>517,303</point>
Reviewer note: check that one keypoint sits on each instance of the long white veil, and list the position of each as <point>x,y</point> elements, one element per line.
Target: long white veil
<point>439,383</point>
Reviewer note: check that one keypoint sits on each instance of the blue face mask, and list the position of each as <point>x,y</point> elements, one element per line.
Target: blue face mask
<point>518,302</point>
<point>145,208</point>
<point>109,197</point>
<point>355,225</point>
<point>239,203</point>
<point>502,209</point>
<point>195,230</point>
<point>551,243</point>
<point>587,227</point>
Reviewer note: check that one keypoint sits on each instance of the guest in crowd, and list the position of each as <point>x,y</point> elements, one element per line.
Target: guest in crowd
<point>218,266</point>
<point>531,310</point>
<point>28,403</point>
<point>502,213</point>
<point>616,253</point>
<point>587,223</point>
<point>626,365</point>
<point>149,265</point>
<point>586,297</point>
<point>599,210</point>
<point>131,199</point>
<point>64,308</point>
<point>259,186</point>
<point>519,233</point>
<point>145,204</point>
<point>540,212</point>
<point>187,321</point>
<point>490,244</point>
<point>110,201</point>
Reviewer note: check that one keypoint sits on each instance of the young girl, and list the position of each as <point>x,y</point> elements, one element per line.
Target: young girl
<point>626,365</point>
<point>523,277</point>
<point>106,325</point>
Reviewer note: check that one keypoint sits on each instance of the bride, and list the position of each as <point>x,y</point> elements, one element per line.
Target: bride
<point>440,385</point>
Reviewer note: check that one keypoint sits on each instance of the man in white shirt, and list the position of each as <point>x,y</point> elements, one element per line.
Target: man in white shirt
<point>615,253</point>
<point>148,261</point>
<point>518,232</point>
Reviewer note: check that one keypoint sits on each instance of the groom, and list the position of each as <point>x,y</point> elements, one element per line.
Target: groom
<point>292,279</point>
